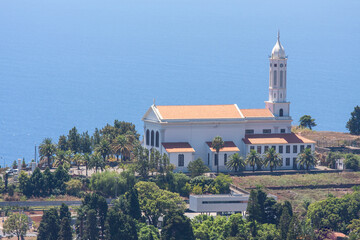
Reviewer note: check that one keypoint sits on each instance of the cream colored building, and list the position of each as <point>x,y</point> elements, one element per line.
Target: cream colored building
<point>185,132</point>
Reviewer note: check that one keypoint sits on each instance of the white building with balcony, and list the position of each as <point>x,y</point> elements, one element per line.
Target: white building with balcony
<point>185,132</point>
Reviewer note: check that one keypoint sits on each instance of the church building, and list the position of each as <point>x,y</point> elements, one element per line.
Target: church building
<point>185,132</point>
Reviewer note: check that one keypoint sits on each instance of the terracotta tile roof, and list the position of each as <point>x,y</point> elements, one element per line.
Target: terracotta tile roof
<point>256,113</point>
<point>229,146</point>
<point>281,138</point>
<point>199,112</point>
<point>177,147</point>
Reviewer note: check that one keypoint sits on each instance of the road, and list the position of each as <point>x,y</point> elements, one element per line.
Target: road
<point>42,203</point>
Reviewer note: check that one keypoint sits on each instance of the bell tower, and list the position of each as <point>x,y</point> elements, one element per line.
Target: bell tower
<point>277,103</point>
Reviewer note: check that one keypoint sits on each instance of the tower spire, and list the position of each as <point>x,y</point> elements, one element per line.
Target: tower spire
<point>278,35</point>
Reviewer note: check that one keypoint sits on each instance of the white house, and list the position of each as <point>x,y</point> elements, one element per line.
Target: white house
<point>185,132</point>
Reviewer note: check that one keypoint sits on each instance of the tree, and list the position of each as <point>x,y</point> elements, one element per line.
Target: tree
<point>354,228</point>
<point>272,159</point>
<point>37,182</point>
<point>197,167</point>
<point>306,159</point>
<point>142,161</point>
<point>284,223</point>
<point>120,146</point>
<point>222,183</point>
<point>62,143</point>
<point>353,125</point>
<point>78,159</point>
<point>49,225</point>
<point>307,122</point>
<point>23,164</point>
<point>235,162</point>
<point>103,148</point>
<point>120,226</point>
<point>177,227</point>
<point>217,144</point>
<point>96,162</point>
<point>253,158</point>
<point>65,232</point>
<point>352,162</point>
<point>17,224</point>
<point>73,187</point>
<point>155,202</point>
<point>47,149</point>
<point>74,141</point>
<point>62,157</point>
<point>24,184</point>
<point>14,165</point>
<point>332,158</point>
<point>85,143</point>
<point>253,208</point>
<point>61,176</point>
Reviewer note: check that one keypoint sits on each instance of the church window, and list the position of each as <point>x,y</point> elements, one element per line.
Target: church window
<point>147,137</point>
<point>152,138</point>
<point>273,147</point>
<point>252,148</point>
<point>266,148</point>
<point>282,130</point>
<point>308,146</point>
<point>266,131</point>
<point>274,95</point>
<point>157,139</point>
<point>280,95</point>
<point>249,131</point>
<point>225,159</point>
<point>302,148</point>
<point>295,149</point>
<point>281,149</point>
<point>294,163</point>
<point>287,149</point>
<point>275,65</point>
<point>258,149</point>
<point>287,161</point>
<point>275,78</point>
<point>281,78</point>
<point>281,112</point>
<point>216,159</point>
<point>181,160</point>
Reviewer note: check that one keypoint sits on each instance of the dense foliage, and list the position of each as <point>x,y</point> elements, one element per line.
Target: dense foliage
<point>307,122</point>
<point>353,125</point>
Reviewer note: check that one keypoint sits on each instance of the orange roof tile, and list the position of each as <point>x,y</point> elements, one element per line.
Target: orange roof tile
<point>256,113</point>
<point>281,138</point>
<point>229,146</point>
<point>199,112</point>
<point>178,147</point>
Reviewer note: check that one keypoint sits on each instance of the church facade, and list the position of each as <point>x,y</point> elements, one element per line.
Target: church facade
<point>185,132</point>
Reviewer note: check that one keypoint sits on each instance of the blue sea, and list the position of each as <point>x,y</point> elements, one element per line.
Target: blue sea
<point>66,63</point>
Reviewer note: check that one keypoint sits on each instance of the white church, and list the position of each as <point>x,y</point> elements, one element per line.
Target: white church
<point>185,132</point>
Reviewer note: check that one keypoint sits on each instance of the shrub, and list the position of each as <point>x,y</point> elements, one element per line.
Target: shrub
<point>352,162</point>
<point>73,187</point>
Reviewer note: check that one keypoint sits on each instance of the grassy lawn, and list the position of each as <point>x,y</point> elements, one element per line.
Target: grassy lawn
<point>298,180</point>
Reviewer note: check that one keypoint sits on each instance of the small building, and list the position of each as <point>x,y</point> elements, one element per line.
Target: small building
<point>220,203</point>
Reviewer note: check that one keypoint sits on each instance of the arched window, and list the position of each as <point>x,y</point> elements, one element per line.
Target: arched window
<point>225,159</point>
<point>147,137</point>
<point>152,137</point>
<point>180,160</point>
<point>280,95</point>
<point>274,95</point>
<point>281,79</point>
<point>275,78</point>
<point>157,139</point>
<point>281,112</point>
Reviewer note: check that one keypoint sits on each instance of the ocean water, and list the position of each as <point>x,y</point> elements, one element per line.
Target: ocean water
<point>85,63</point>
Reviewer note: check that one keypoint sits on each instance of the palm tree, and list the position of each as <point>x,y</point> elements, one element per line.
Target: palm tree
<point>103,148</point>
<point>217,144</point>
<point>272,159</point>
<point>120,146</point>
<point>78,159</point>
<point>47,149</point>
<point>86,162</point>
<point>235,162</point>
<point>307,158</point>
<point>62,157</point>
<point>96,161</point>
<point>253,158</point>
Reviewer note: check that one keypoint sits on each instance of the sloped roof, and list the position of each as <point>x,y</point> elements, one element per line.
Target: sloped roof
<point>229,146</point>
<point>256,113</point>
<point>177,147</point>
<point>277,138</point>
<point>199,112</point>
